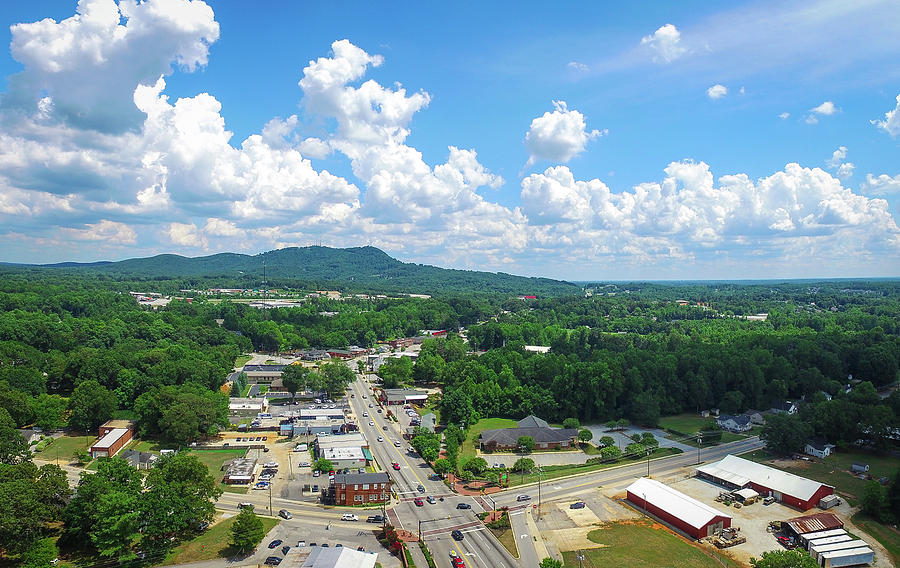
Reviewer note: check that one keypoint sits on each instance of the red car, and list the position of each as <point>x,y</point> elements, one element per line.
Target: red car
<point>396,466</point>
<point>458,562</point>
<point>418,501</point>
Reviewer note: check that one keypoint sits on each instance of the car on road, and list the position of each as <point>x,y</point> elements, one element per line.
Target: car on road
<point>245,505</point>
<point>301,543</point>
<point>284,549</point>
<point>463,506</point>
<point>420,488</point>
<point>366,414</point>
<point>431,499</point>
<point>384,428</point>
<point>457,562</point>
<point>374,519</point>
<point>275,543</point>
<point>272,561</point>
<point>371,422</point>
<point>380,438</point>
<point>379,411</point>
<point>577,505</point>
<point>396,466</point>
<point>261,485</point>
<point>349,517</point>
<point>418,501</point>
<point>365,396</point>
<point>457,535</point>
<point>303,464</point>
<point>523,497</point>
<point>397,443</point>
<point>285,514</point>
<point>316,473</point>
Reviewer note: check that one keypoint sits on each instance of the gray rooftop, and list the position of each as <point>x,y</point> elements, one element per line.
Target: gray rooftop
<point>510,436</point>
<point>360,478</point>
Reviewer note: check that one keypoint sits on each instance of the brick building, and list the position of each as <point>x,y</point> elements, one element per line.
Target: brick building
<point>113,435</point>
<point>360,488</point>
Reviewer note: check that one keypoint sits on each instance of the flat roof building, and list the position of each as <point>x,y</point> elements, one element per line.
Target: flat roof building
<point>685,513</point>
<point>403,396</point>
<point>737,473</point>
<point>114,434</point>
<point>239,471</point>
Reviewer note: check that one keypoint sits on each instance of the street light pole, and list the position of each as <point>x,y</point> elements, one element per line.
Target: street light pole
<point>540,478</point>
<point>648,462</point>
<point>290,468</point>
<point>699,445</point>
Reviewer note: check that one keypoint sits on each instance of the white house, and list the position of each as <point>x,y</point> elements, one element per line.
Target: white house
<point>734,423</point>
<point>819,448</point>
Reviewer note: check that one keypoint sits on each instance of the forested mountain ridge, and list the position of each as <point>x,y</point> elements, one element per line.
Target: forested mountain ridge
<point>361,268</point>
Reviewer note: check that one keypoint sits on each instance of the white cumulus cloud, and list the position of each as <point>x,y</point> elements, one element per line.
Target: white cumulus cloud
<point>891,122</point>
<point>107,231</point>
<point>558,136</point>
<point>881,185</point>
<point>665,42</point>
<point>827,108</point>
<point>717,91</point>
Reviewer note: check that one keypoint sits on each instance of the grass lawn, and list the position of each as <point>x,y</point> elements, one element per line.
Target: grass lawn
<point>554,471</point>
<point>467,448</point>
<point>508,539</point>
<point>684,423</point>
<point>65,446</point>
<point>213,459</point>
<point>210,545</point>
<point>887,536</point>
<point>638,545</point>
<point>143,446</point>
<point>834,470</point>
<point>241,360</point>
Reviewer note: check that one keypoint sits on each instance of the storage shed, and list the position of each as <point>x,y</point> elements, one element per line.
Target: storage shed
<point>734,472</point>
<point>848,557</point>
<point>677,509</point>
<point>819,549</point>
<point>815,526</point>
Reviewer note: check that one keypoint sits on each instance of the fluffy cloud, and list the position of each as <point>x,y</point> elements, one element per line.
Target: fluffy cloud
<point>577,66</point>
<point>784,115</point>
<point>83,70</point>
<point>891,122</point>
<point>718,91</point>
<point>827,108</point>
<point>881,185</point>
<point>665,42</point>
<point>842,169</point>
<point>106,231</point>
<point>558,136</point>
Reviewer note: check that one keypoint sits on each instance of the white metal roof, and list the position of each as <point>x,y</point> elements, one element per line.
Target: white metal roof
<point>110,439</point>
<point>674,502</point>
<point>774,479</point>
<point>846,552</point>
<point>827,544</point>
<point>747,493</point>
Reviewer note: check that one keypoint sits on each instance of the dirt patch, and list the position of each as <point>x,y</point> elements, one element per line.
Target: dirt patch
<point>572,539</point>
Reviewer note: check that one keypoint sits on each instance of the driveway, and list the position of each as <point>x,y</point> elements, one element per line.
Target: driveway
<point>623,437</point>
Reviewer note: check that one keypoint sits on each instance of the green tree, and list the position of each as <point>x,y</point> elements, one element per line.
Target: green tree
<point>336,376</point>
<point>396,372</point>
<point>784,559</point>
<point>31,498</point>
<point>13,447</point>
<point>295,378</point>
<point>91,404</point>
<point>247,531</point>
<point>550,563</point>
<point>523,465</point>
<point>49,411</point>
<point>428,445</point>
<point>39,554</point>
<point>784,433</point>
<point>81,457</point>
<point>607,441</point>
<point>610,453</point>
<point>179,493</point>
<point>476,466</point>
<point>874,501</point>
<point>525,444</point>
<point>323,465</point>
<point>443,466</point>
<point>585,435</point>
<point>15,402</point>
<point>572,423</point>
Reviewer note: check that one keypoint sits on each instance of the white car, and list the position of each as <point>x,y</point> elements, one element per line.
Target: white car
<point>397,443</point>
<point>349,517</point>
<point>380,439</point>
<point>371,422</point>
<point>366,414</point>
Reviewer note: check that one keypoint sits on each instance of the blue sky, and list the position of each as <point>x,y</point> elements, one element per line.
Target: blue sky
<point>649,140</point>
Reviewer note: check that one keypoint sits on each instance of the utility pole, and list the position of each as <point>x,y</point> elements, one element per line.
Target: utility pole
<point>271,512</point>
<point>649,451</point>
<point>290,469</point>
<point>540,478</point>
<point>699,445</point>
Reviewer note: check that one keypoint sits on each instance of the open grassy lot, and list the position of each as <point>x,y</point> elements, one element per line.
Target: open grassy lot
<point>213,459</point>
<point>65,446</point>
<point>241,360</point>
<point>554,471</point>
<point>210,545</point>
<point>467,448</point>
<point>143,446</point>
<point>637,544</point>
<point>889,537</point>
<point>835,469</point>
<point>684,423</point>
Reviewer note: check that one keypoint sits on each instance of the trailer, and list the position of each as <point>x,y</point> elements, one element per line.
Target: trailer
<point>813,544</point>
<point>849,557</point>
<point>817,551</point>
<point>829,501</point>
<point>803,539</point>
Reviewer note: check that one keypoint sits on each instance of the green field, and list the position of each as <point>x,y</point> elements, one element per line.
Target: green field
<point>467,448</point>
<point>241,360</point>
<point>213,459</point>
<point>64,446</point>
<point>684,423</point>
<point>143,446</point>
<point>888,537</point>
<point>638,545</point>
<point>210,545</point>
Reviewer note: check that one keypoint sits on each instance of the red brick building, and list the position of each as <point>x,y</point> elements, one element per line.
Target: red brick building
<point>360,488</point>
<point>114,434</point>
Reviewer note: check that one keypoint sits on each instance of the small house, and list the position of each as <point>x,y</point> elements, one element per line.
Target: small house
<point>819,448</point>
<point>734,423</point>
<point>784,407</point>
<point>139,460</point>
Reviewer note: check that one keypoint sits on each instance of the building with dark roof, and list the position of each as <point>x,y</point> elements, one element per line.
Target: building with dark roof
<point>403,396</point>
<point>139,460</point>
<point>263,373</point>
<point>359,488</point>
<point>740,423</point>
<point>545,438</point>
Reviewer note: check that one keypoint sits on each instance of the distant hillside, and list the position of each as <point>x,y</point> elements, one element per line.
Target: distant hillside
<point>362,268</point>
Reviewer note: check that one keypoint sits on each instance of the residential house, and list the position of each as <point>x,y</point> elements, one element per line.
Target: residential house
<point>819,448</point>
<point>734,423</point>
<point>139,460</point>
<point>784,407</point>
<point>545,438</point>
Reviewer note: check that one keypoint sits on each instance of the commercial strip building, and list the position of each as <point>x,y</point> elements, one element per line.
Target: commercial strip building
<point>113,435</point>
<point>360,488</point>
<point>239,471</point>
<point>264,374</point>
<point>545,437</point>
<point>684,513</point>
<point>341,458</point>
<point>248,406</point>
<point>328,557</point>
<point>403,396</point>
<point>737,473</point>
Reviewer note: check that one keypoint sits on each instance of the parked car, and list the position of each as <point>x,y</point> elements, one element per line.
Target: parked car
<point>275,543</point>
<point>431,499</point>
<point>301,543</point>
<point>285,514</point>
<point>361,470</point>
<point>577,505</point>
<point>284,549</point>
<point>463,506</point>
<point>316,473</point>
<point>315,488</point>
<point>261,485</point>
<point>418,501</point>
<point>457,535</point>
<point>272,561</point>
<point>349,517</point>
